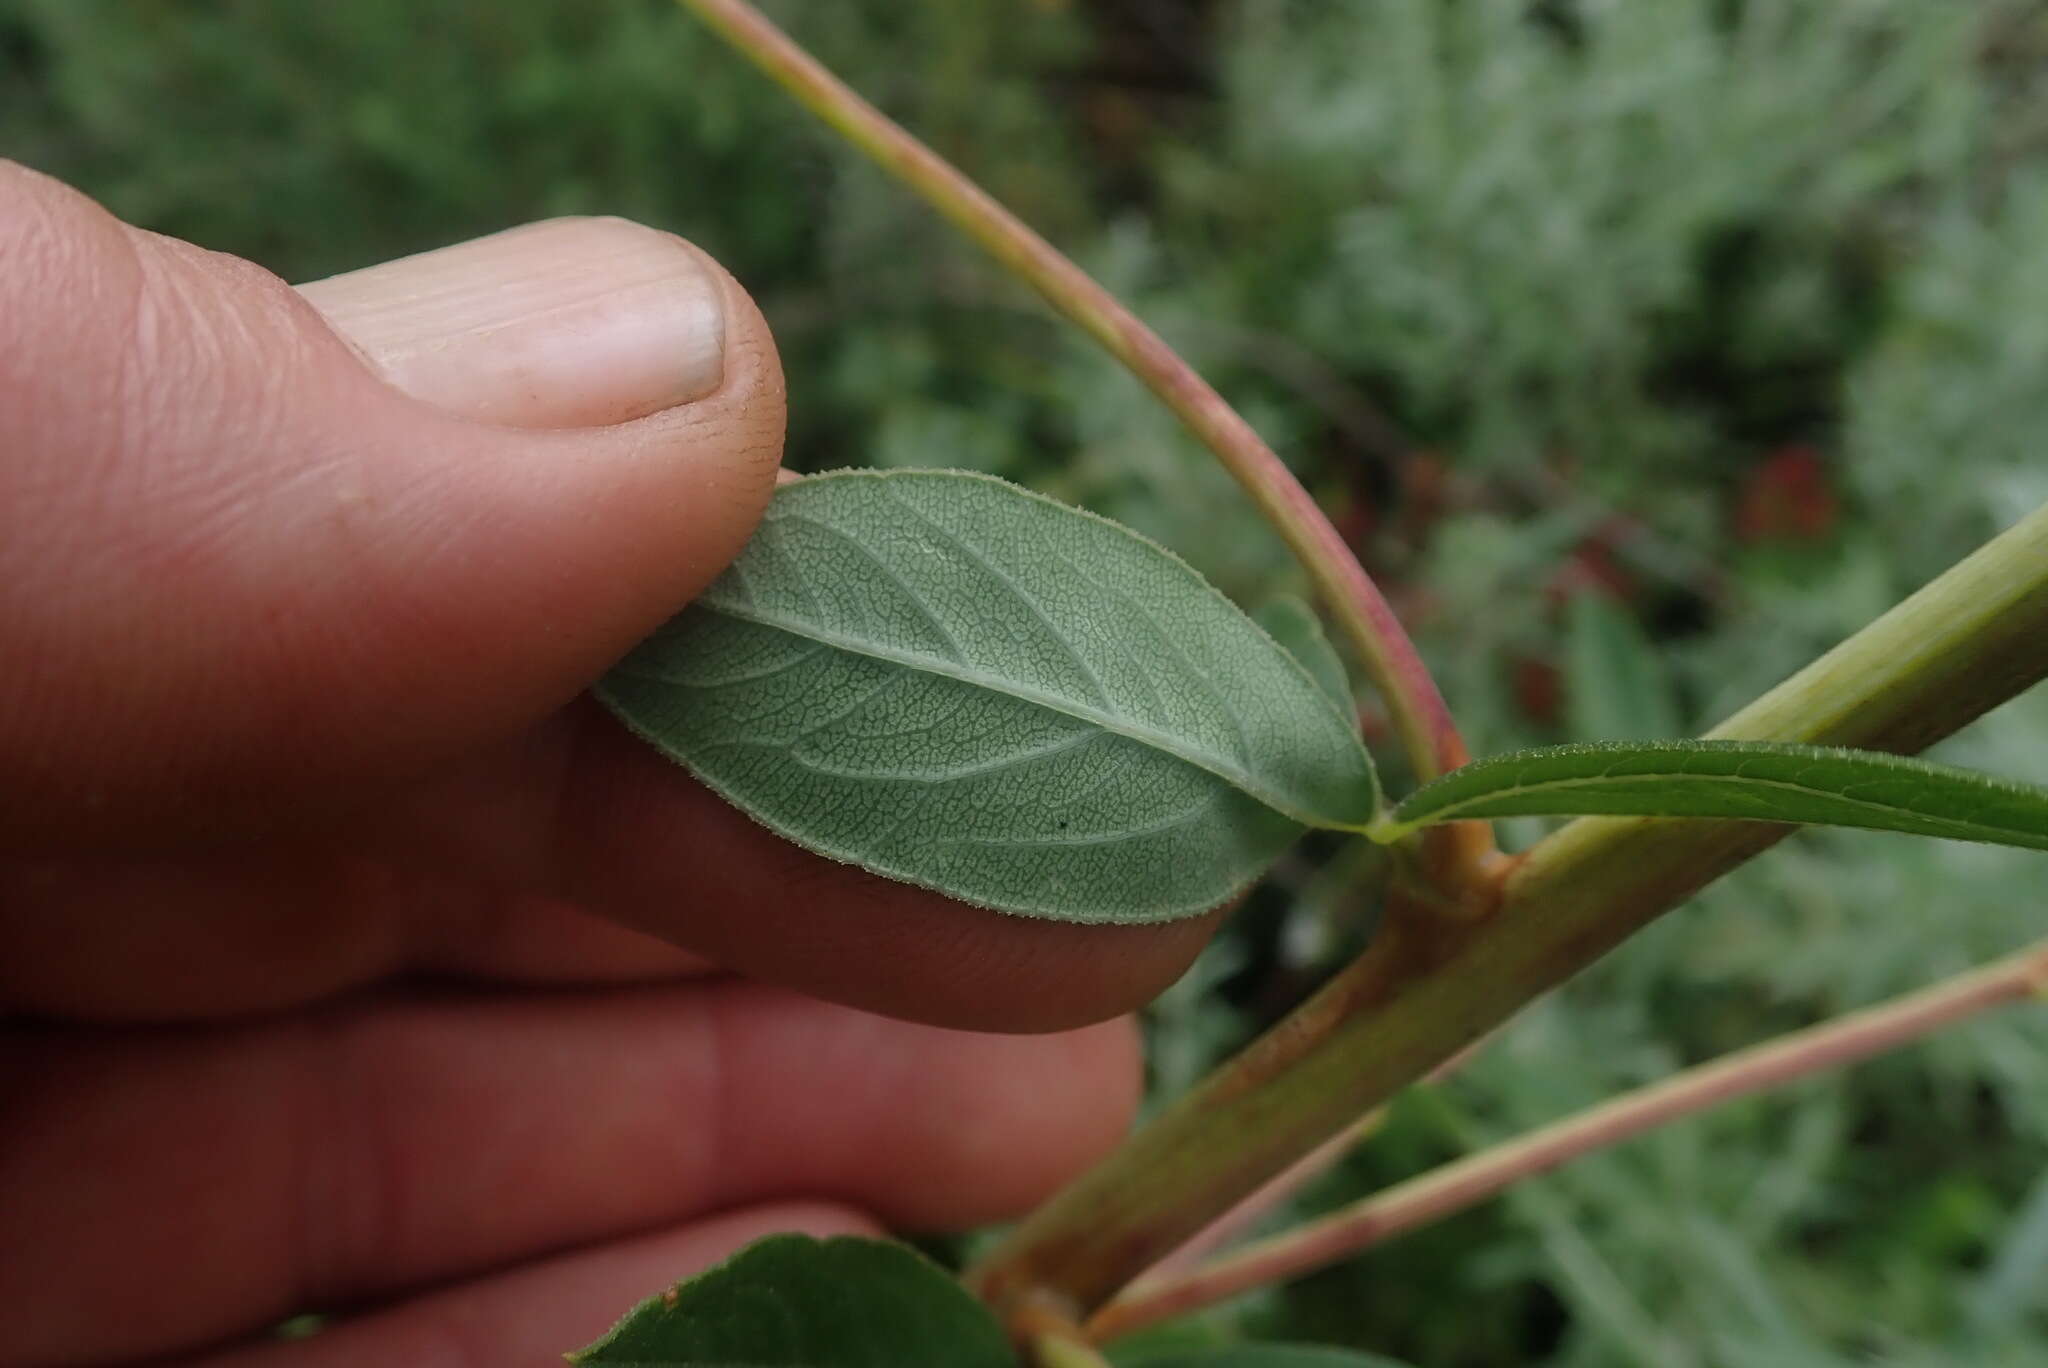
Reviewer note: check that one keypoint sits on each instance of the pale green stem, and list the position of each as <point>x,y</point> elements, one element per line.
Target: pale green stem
<point>1974,638</point>
<point>1455,1186</point>
<point>1063,1351</point>
<point>1416,706</point>
<point>1278,1189</point>
<point>1051,1336</point>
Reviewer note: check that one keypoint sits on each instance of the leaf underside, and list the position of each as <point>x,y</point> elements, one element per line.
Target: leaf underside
<point>790,1301</point>
<point>1294,625</point>
<point>954,682</point>
<point>1747,780</point>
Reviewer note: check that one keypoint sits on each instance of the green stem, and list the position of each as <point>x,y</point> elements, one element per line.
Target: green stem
<point>1417,708</point>
<point>1065,1351</point>
<point>1249,1212</point>
<point>1051,1337</point>
<point>1455,1186</point>
<point>1971,640</point>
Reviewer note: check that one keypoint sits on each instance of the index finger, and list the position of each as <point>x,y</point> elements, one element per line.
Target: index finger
<point>642,842</point>
<point>584,811</point>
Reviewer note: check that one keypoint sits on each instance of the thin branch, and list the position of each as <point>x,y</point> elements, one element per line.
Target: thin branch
<point>1240,1219</point>
<point>1065,1351</point>
<point>1052,1337</point>
<point>1466,1182</point>
<point>1417,707</point>
<point>1305,1170</point>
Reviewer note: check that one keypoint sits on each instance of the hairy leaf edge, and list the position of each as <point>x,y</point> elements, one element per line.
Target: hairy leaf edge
<point>1450,799</point>
<point>1045,911</point>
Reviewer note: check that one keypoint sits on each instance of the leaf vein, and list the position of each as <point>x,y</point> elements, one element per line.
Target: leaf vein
<point>890,573</point>
<point>1166,639</point>
<point>1183,818</point>
<point>1004,578</point>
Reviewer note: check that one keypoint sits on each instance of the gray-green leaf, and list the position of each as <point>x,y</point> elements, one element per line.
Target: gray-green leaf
<point>955,682</point>
<point>1295,626</point>
<point>790,1301</point>
<point>1750,780</point>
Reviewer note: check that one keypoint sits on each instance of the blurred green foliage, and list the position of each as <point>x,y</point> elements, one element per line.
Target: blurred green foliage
<point>1644,349</point>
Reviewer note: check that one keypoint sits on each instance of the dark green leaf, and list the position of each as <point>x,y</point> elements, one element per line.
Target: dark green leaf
<point>790,1301</point>
<point>1258,1356</point>
<point>955,682</point>
<point>1295,626</point>
<point>1616,687</point>
<point>1750,780</point>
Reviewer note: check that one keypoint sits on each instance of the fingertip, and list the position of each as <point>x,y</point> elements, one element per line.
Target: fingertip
<point>568,322</point>
<point>259,577</point>
<point>641,841</point>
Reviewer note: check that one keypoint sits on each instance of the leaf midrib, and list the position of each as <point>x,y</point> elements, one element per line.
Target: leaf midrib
<point>1221,766</point>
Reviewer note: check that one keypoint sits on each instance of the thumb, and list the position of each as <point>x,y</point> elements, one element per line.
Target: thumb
<point>263,547</point>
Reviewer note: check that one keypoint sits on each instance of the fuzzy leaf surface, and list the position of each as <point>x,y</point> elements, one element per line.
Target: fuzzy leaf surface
<point>1295,626</point>
<point>1748,780</point>
<point>958,683</point>
<point>789,1301</point>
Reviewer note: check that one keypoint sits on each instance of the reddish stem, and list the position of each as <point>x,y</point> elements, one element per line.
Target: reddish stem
<point>1456,1186</point>
<point>1422,720</point>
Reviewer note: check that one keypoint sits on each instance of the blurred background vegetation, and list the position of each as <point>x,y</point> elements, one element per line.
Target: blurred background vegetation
<point>1644,349</point>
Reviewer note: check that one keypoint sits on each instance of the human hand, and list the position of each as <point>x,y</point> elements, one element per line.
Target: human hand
<point>348,960</point>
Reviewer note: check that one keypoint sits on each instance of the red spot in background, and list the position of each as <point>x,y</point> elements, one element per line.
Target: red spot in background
<point>1592,567</point>
<point>1427,494</point>
<point>1538,689</point>
<point>1788,497</point>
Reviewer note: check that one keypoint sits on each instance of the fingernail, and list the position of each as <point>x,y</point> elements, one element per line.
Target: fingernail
<point>567,323</point>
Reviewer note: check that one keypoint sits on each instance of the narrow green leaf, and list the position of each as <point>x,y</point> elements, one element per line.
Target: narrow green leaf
<point>1749,780</point>
<point>1616,686</point>
<point>1258,1356</point>
<point>1292,623</point>
<point>955,682</point>
<point>790,1301</point>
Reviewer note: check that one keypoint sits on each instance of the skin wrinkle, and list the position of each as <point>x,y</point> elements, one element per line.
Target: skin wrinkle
<point>376,593</point>
<point>705,1060</point>
<point>231,520</point>
<point>716,1144</point>
<point>354,1215</point>
<point>40,246</point>
<point>180,336</point>
<point>35,242</point>
<point>321,1203</point>
<point>371,1212</point>
<point>162,404</point>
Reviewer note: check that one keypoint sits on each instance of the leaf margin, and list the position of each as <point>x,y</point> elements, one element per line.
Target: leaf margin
<point>1477,790</point>
<point>746,1261</point>
<point>1369,804</point>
